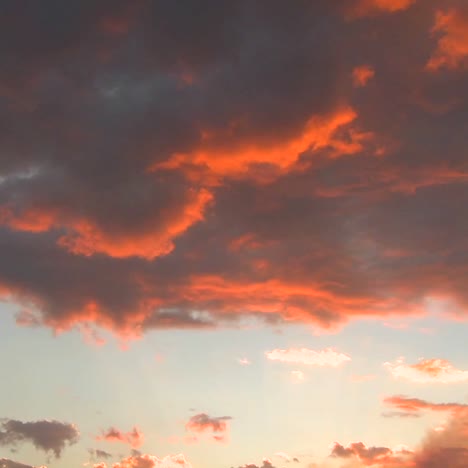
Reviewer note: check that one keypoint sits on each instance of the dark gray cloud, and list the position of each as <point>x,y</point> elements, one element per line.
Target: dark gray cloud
<point>5,463</point>
<point>49,436</point>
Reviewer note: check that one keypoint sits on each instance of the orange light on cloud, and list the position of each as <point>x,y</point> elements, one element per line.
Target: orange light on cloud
<point>236,159</point>
<point>427,371</point>
<point>362,75</point>
<point>452,46</point>
<point>134,438</point>
<point>86,238</point>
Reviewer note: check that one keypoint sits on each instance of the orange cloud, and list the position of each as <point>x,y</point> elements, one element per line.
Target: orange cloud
<point>134,438</point>
<point>225,156</point>
<point>360,8</point>
<point>415,405</point>
<point>362,75</point>
<point>86,237</point>
<point>452,46</point>
<point>427,371</point>
<point>326,357</point>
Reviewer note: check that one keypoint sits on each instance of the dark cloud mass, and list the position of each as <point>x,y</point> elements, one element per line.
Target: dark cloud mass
<point>190,164</point>
<point>49,436</point>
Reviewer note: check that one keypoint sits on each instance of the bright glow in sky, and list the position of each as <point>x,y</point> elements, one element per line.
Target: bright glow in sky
<point>233,234</point>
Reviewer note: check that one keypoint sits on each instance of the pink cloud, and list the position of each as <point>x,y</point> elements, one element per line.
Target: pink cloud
<point>202,423</point>
<point>134,438</point>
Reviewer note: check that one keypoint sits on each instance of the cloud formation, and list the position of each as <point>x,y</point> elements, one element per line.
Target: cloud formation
<point>323,358</point>
<point>427,371</point>
<point>49,436</point>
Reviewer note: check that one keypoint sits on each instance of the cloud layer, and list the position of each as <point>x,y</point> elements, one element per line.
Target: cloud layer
<point>158,172</point>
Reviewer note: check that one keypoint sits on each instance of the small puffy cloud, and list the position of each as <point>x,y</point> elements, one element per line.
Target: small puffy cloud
<point>427,371</point>
<point>362,75</point>
<point>49,436</point>
<point>202,423</point>
<point>151,461</point>
<point>452,47</point>
<point>415,406</point>
<point>134,438</point>
<point>327,357</point>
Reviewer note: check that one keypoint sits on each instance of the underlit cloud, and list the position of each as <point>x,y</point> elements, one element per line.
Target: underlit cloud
<point>427,371</point>
<point>48,436</point>
<point>324,358</point>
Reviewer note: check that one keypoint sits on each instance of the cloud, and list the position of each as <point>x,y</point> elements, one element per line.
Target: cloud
<point>372,456</point>
<point>446,447</point>
<point>134,437</point>
<point>360,8</point>
<point>266,463</point>
<point>244,361</point>
<point>452,46</point>
<point>362,74</point>
<point>49,436</point>
<point>216,172</point>
<point>427,371</point>
<point>415,405</point>
<point>151,461</point>
<point>327,357</point>
<point>5,463</point>
<point>202,423</point>
<point>97,453</point>
<point>286,457</point>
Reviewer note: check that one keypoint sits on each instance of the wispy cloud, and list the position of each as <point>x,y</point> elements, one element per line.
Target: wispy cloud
<point>324,358</point>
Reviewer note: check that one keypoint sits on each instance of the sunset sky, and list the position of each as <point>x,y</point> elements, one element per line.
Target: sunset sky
<point>234,233</point>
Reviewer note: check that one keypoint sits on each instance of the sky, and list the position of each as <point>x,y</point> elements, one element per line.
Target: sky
<point>233,234</point>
